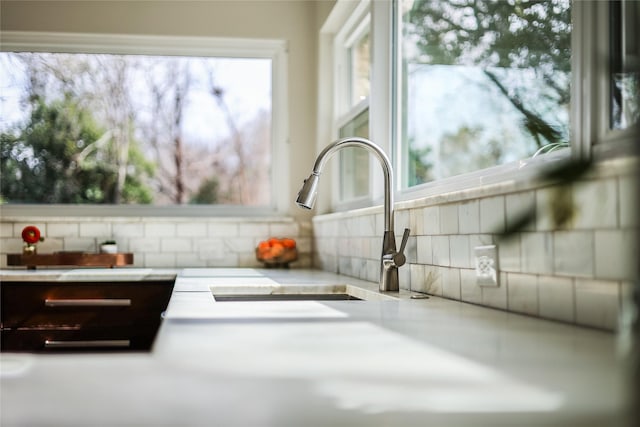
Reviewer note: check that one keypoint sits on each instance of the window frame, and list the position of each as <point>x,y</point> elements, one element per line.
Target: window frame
<point>273,49</point>
<point>590,136</point>
<point>354,24</point>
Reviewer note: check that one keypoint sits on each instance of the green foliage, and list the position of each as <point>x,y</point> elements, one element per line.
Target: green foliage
<point>420,168</point>
<point>55,158</point>
<point>505,33</point>
<point>207,192</point>
<point>501,35</point>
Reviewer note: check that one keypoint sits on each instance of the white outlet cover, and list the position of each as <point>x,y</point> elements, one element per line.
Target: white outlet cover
<point>486,265</point>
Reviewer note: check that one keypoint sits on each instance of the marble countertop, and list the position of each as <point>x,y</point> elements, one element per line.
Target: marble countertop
<point>392,359</point>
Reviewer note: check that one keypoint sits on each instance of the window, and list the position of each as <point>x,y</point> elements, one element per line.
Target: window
<point>352,69</point>
<point>624,65</point>
<point>162,129</point>
<point>482,83</point>
<point>469,92</point>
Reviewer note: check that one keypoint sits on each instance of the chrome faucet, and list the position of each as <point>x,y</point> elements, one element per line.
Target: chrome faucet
<point>391,258</point>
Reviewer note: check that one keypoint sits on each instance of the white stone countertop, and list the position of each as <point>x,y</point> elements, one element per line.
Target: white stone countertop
<point>390,360</point>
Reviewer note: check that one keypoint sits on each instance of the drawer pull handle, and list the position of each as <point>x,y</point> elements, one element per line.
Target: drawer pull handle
<point>87,344</point>
<point>121,302</point>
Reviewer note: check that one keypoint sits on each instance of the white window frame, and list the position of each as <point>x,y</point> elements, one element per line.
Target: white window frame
<point>354,24</point>
<point>591,136</point>
<point>276,50</point>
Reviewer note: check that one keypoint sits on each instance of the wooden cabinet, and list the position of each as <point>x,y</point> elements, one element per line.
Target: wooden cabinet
<point>81,316</point>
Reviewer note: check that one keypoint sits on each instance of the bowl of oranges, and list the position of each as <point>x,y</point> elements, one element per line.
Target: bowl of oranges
<point>277,252</point>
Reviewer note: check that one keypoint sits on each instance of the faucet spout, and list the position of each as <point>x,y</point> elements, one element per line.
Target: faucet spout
<point>391,259</point>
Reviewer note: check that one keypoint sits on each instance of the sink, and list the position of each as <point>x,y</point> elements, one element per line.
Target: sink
<point>292,292</point>
<point>286,297</point>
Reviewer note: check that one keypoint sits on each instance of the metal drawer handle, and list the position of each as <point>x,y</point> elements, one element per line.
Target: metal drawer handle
<point>98,302</point>
<point>86,344</point>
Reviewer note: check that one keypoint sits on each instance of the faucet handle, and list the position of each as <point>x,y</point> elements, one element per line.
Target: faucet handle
<point>399,258</point>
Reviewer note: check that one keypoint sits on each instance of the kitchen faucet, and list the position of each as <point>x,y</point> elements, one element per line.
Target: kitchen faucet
<point>391,259</point>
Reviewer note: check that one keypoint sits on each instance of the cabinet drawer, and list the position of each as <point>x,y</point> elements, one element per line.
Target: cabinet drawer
<point>83,340</point>
<point>75,305</point>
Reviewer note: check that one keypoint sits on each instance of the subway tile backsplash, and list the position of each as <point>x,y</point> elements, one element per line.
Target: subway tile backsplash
<point>580,271</point>
<point>162,242</point>
<point>573,264</point>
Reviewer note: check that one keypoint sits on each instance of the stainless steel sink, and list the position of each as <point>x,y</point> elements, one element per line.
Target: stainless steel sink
<point>287,297</point>
<point>292,292</point>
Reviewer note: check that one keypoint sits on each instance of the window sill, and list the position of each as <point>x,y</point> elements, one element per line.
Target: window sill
<point>107,211</point>
<point>510,178</point>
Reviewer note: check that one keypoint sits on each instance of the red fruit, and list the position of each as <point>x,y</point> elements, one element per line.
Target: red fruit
<point>31,234</point>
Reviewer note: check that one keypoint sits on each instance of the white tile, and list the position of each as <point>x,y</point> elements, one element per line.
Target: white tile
<point>284,229</point>
<point>459,251</point>
<point>469,289</point>
<point>469,217</point>
<point>159,229</point>
<point>509,254</point>
<point>449,219</point>
<point>379,218</point>
<point>99,230</point>
<point>160,260</point>
<point>451,283</point>
<point>50,245</point>
<point>518,205</point>
<point>426,279</point>
<point>130,230</point>
<point>189,260</point>
<point>303,244</point>
<point>431,220</point>
<point>536,253</point>
<point>492,218</point>
<point>344,264</point>
<point>373,270</point>
<point>62,230</point>
<point>6,230</point>
<point>597,204</point>
<point>416,223</point>
<point>616,255</point>
<point>425,251</point>
<point>597,303</point>
<point>629,203</point>
<point>191,229</point>
<point>556,298</point>
<point>82,244</point>
<point>229,260</point>
<point>573,253</point>
<point>544,203</point>
<point>11,246</point>
<point>220,229</point>
<point>411,250</point>
<point>523,293</point>
<point>402,221</point>
<point>375,246</point>
<point>144,245</point>
<point>210,249</point>
<point>496,296</point>
<point>440,247</point>
<point>255,230</point>
<point>432,280</point>
<point>239,244</point>
<point>175,245</point>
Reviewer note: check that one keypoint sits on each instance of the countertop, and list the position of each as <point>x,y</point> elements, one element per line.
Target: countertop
<point>393,359</point>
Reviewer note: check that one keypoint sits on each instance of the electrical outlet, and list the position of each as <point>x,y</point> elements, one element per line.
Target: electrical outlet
<point>486,265</point>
